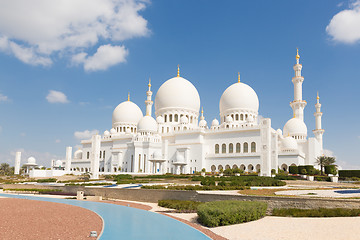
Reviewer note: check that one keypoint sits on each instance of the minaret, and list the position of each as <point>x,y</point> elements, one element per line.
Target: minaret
<point>148,101</point>
<point>298,104</point>
<point>17,163</point>
<point>318,132</point>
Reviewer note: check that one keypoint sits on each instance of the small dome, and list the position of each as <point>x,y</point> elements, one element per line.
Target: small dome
<point>78,154</point>
<point>184,120</point>
<point>179,158</point>
<point>147,124</point>
<point>229,119</point>
<point>157,155</point>
<point>126,112</point>
<point>289,143</point>
<point>31,160</point>
<point>178,93</point>
<point>202,123</point>
<point>106,133</point>
<point>279,131</point>
<point>112,131</point>
<point>58,163</point>
<point>295,126</point>
<point>160,120</point>
<point>239,97</point>
<point>215,123</point>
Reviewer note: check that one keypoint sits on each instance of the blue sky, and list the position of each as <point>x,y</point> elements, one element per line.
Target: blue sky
<point>64,67</point>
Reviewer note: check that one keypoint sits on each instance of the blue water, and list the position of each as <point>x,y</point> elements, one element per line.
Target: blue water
<point>350,191</point>
<point>129,223</point>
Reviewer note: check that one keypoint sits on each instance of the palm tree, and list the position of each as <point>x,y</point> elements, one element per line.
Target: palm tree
<point>323,161</point>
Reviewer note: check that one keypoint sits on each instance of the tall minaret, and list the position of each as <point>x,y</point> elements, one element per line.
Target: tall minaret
<point>318,132</point>
<point>148,101</point>
<point>298,104</point>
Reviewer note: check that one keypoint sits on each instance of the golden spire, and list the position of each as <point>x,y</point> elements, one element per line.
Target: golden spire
<point>202,111</point>
<point>294,115</point>
<point>317,96</point>
<point>297,54</point>
<point>128,96</point>
<point>149,85</point>
<point>238,77</point>
<point>178,74</point>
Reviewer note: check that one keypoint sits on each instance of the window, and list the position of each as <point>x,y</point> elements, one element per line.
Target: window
<point>238,148</point>
<point>253,147</point>
<point>139,163</point>
<point>241,117</point>
<point>103,154</point>
<point>237,117</point>
<point>88,155</point>
<point>213,168</point>
<point>231,148</point>
<point>176,118</point>
<point>165,118</point>
<point>170,118</point>
<point>223,148</point>
<point>246,146</point>
<point>100,154</point>
<point>216,148</point>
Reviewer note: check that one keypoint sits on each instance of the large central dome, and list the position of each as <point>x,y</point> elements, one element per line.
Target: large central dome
<point>239,97</point>
<point>177,93</point>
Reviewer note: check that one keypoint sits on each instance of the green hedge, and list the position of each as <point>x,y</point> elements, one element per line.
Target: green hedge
<point>221,213</point>
<point>331,169</point>
<point>310,170</point>
<point>293,170</point>
<point>46,180</point>
<point>320,212</point>
<point>349,173</point>
<point>180,205</point>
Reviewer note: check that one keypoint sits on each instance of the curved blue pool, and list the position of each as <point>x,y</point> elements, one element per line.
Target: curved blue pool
<point>129,223</point>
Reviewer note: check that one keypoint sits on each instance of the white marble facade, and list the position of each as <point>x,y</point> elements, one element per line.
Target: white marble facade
<point>179,139</point>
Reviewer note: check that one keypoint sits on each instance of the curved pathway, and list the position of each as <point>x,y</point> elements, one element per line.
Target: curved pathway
<point>130,223</point>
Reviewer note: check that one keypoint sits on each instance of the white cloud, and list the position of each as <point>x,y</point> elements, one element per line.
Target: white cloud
<point>38,31</point>
<point>328,153</point>
<point>56,97</point>
<point>106,56</point>
<point>3,98</point>
<point>344,27</point>
<point>85,134</point>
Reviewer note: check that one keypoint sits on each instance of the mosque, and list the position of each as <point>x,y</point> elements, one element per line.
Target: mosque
<point>181,141</point>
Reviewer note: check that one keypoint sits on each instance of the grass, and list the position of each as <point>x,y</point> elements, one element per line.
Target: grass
<point>180,205</point>
<point>319,212</point>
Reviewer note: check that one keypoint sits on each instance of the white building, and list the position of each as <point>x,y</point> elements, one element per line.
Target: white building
<point>181,141</point>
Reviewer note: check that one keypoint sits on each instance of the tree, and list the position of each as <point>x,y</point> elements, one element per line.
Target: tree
<point>323,161</point>
<point>5,169</point>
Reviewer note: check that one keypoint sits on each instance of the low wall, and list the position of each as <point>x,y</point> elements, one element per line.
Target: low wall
<point>153,195</point>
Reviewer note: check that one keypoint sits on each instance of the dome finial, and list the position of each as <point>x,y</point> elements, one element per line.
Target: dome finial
<point>238,77</point>
<point>178,73</point>
<point>202,114</point>
<point>317,95</point>
<point>128,96</point>
<point>297,55</point>
<point>149,85</point>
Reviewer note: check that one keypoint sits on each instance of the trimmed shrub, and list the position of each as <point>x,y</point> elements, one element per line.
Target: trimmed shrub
<point>349,173</point>
<point>180,205</point>
<point>293,170</point>
<point>221,213</point>
<point>46,180</point>
<point>319,212</point>
<point>322,178</point>
<point>331,169</point>
<point>208,181</point>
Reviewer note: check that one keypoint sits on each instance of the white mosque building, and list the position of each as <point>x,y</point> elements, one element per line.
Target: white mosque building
<point>180,140</point>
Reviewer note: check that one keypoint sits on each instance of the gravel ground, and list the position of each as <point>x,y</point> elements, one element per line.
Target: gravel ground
<point>34,220</point>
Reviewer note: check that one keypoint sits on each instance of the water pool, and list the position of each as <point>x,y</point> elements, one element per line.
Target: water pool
<point>129,223</point>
